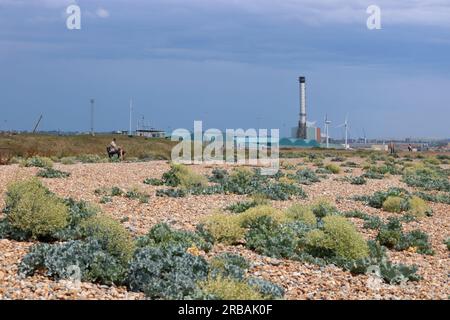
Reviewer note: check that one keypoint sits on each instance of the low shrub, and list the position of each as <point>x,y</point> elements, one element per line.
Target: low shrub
<point>432,161</point>
<point>301,213</point>
<point>350,164</point>
<point>105,199</point>
<point>79,211</point>
<point>242,206</point>
<point>137,195</point>
<point>134,193</point>
<point>116,191</point>
<point>228,265</point>
<point>229,289</point>
<point>173,193</point>
<point>76,260</point>
<point>393,204</point>
<point>339,236</point>
<point>241,176</point>
<point>247,217</point>
<point>68,160</point>
<point>370,222</point>
<point>240,181</point>
<point>372,175</point>
<point>418,207</point>
<point>358,180</point>
<point>167,273</point>
<point>323,208</point>
<point>91,158</point>
<point>52,173</point>
<point>447,242</point>
<point>111,235</point>
<point>379,197</point>
<point>415,240</point>
<point>218,175</point>
<point>7,231</point>
<point>32,209</point>
<point>224,228</point>
<point>373,222</point>
<point>267,237</point>
<point>280,191</point>
<point>391,235</point>
<point>387,168</point>
<point>162,235</point>
<point>334,168</point>
<point>389,272</point>
<point>438,198</point>
<point>154,182</point>
<point>306,176</point>
<point>40,162</point>
<point>267,289</point>
<point>180,175</point>
<point>427,178</point>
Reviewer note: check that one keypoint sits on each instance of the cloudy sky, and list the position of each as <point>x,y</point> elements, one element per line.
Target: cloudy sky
<point>230,63</point>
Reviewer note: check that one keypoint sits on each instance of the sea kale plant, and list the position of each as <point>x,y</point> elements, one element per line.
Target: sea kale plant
<point>427,178</point>
<point>167,272</point>
<point>241,181</point>
<point>52,173</point>
<point>397,200</point>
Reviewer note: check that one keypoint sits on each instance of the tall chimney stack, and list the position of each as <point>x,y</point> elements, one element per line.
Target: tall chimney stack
<point>301,131</point>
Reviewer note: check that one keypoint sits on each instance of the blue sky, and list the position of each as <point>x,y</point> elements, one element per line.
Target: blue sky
<point>229,63</point>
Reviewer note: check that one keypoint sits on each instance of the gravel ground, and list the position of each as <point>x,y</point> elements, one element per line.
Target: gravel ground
<point>301,281</point>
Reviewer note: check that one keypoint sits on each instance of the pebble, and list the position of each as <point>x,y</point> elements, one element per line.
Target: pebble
<point>301,280</point>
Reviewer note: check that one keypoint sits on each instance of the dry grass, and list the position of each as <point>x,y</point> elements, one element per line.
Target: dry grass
<point>28,145</point>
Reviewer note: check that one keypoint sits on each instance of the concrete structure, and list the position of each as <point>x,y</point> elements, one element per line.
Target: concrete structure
<point>150,133</point>
<point>312,133</point>
<point>302,131</point>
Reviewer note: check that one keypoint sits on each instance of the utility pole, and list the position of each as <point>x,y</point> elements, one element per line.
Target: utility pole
<point>92,117</point>
<point>131,109</point>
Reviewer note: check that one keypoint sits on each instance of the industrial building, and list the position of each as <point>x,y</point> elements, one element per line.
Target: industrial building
<point>304,135</point>
<point>150,133</point>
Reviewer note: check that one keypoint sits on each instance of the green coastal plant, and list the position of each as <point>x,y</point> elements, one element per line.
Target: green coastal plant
<point>32,209</point>
<point>162,235</point>
<point>167,272</point>
<point>85,260</point>
<point>340,237</point>
<point>40,162</point>
<point>301,213</point>
<point>52,173</point>
<point>229,289</point>
<point>334,168</point>
<point>111,235</point>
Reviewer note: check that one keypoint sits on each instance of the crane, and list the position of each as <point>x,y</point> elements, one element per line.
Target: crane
<point>37,124</point>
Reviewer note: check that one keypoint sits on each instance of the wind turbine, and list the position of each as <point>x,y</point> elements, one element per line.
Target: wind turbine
<point>327,125</point>
<point>345,125</point>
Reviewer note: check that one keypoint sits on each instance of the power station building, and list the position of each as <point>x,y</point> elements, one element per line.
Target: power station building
<point>304,135</point>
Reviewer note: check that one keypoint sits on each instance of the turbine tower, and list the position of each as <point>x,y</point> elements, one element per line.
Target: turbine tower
<point>327,125</point>
<point>345,125</point>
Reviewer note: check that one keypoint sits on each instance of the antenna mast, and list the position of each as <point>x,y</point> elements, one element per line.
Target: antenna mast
<point>131,109</point>
<point>92,117</point>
